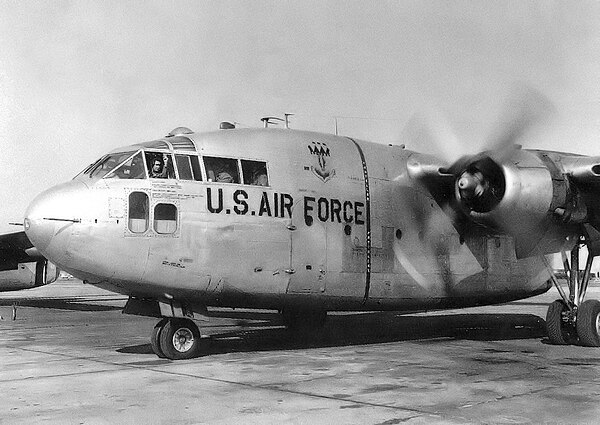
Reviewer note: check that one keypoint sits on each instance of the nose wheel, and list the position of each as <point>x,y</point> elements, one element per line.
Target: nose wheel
<point>571,319</point>
<point>175,339</point>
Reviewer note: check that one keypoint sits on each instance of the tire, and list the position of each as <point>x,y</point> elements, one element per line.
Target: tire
<point>155,338</point>
<point>588,323</point>
<point>559,332</point>
<point>179,339</point>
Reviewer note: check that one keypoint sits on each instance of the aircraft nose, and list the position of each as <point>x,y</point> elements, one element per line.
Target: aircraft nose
<point>51,211</point>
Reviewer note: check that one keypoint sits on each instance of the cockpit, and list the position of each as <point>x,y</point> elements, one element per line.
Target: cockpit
<point>176,159</point>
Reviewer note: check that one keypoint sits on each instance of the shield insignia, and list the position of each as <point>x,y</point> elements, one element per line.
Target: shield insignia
<point>322,164</point>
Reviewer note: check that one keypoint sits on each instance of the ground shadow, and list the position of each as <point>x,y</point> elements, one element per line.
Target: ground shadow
<point>60,304</point>
<point>263,331</point>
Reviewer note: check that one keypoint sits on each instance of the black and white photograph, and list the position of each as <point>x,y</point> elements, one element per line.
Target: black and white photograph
<point>299,212</point>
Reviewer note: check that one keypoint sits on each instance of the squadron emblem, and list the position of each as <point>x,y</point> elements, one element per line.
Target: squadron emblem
<point>322,169</point>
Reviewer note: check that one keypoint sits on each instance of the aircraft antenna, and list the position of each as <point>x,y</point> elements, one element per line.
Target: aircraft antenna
<point>287,120</point>
<point>270,120</point>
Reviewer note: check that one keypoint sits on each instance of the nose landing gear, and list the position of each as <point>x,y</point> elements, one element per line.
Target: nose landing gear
<point>175,338</point>
<point>571,319</point>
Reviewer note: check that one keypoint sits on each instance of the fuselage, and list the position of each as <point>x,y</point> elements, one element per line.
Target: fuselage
<point>269,218</point>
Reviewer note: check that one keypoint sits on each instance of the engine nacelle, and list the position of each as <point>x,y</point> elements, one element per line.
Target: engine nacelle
<point>510,194</point>
<point>28,275</point>
<point>585,170</point>
<point>522,193</point>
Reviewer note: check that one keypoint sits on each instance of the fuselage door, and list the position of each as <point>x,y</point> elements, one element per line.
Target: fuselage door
<point>309,252</point>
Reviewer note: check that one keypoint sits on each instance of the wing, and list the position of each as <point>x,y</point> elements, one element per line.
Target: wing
<point>544,199</point>
<point>16,248</point>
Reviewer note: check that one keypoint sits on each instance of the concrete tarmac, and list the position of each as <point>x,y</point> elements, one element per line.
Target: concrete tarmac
<point>83,362</point>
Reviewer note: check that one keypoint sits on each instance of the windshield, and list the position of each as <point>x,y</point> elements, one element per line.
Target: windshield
<point>133,168</point>
<point>105,165</point>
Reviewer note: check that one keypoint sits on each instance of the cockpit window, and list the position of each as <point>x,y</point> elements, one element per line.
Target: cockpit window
<point>188,167</point>
<point>255,173</point>
<point>106,164</point>
<point>133,168</point>
<point>224,170</point>
<point>160,165</point>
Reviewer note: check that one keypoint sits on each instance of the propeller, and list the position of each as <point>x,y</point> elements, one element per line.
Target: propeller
<point>488,188</point>
<point>479,179</point>
<point>525,109</point>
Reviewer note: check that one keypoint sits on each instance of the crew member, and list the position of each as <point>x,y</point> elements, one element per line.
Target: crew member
<point>159,168</point>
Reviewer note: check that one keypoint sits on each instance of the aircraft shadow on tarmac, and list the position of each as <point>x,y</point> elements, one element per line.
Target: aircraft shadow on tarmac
<point>264,331</point>
<point>59,304</point>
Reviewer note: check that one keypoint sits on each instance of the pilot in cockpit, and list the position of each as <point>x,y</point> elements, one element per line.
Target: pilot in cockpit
<point>159,168</point>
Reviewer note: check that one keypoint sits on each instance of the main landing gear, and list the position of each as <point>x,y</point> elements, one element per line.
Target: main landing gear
<point>175,338</point>
<point>571,319</point>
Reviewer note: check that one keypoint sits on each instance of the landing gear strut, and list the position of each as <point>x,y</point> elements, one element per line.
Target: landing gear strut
<point>572,319</point>
<point>175,338</point>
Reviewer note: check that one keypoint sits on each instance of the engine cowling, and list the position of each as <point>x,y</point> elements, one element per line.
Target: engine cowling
<point>510,193</point>
<point>527,194</point>
<point>28,275</point>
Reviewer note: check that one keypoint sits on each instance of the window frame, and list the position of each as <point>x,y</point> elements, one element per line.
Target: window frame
<point>266,164</point>
<point>146,215</point>
<point>237,164</point>
<point>155,220</point>
<point>89,173</point>
<point>196,175</point>
<point>200,168</point>
<point>112,174</point>
<point>153,152</point>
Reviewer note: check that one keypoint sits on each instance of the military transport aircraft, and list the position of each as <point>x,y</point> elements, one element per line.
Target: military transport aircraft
<point>307,223</point>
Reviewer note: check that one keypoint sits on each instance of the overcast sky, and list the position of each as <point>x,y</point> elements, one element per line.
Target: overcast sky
<point>80,78</point>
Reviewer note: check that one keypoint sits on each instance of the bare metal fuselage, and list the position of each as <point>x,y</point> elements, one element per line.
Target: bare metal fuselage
<point>341,226</point>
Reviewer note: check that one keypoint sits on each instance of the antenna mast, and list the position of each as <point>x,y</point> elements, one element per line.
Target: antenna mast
<point>270,120</point>
<point>287,120</point>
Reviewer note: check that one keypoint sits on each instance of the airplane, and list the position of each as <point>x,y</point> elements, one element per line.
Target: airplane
<point>305,223</point>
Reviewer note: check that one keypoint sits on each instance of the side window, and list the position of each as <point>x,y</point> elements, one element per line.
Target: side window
<point>184,167</point>
<point>165,218</point>
<point>133,168</point>
<point>160,165</point>
<point>188,167</point>
<point>224,170</point>
<point>255,173</point>
<point>196,168</point>
<point>139,207</point>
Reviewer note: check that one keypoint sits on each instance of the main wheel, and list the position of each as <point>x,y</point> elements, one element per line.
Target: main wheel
<point>588,323</point>
<point>155,338</point>
<point>559,332</point>
<point>179,339</point>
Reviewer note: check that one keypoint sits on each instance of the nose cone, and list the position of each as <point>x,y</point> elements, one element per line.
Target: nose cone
<point>51,212</point>
<point>470,186</point>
